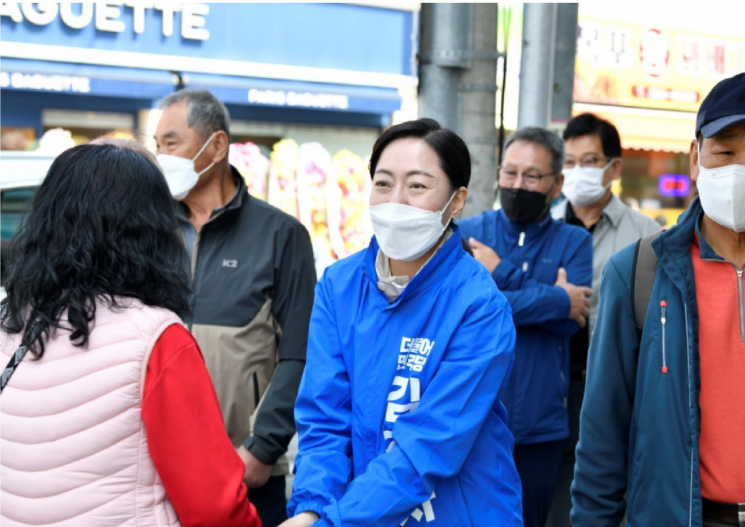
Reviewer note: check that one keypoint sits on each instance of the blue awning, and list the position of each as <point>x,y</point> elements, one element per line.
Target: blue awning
<point>111,81</point>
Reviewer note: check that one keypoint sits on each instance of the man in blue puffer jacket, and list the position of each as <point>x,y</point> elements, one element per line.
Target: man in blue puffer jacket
<point>535,260</point>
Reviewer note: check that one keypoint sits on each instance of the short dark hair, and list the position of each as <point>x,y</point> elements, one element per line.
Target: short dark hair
<point>204,112</point>
<point>452,151</point>
<point>102,226</point>
<point>543,137</point>
<point>591,124</point>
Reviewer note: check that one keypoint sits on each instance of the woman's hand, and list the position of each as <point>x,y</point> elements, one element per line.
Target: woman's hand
<point>304,519</point>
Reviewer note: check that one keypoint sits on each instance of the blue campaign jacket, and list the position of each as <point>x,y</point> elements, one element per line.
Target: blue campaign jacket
<point>398,415</point>
<point>639,428</point>
<point>535,395</point>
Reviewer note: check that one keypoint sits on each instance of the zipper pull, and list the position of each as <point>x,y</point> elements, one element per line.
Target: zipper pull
<point>663,320</point>
<point>521,242</point>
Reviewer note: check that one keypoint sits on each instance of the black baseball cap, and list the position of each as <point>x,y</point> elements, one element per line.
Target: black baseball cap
<point>723,107</point>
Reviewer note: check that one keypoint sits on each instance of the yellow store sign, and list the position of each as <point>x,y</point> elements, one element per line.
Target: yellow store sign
<point>651,67</point>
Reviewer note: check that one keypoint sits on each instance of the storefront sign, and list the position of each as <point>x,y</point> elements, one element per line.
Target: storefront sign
<point>37,81</point>
<point>107,16</point>
<point>324,43</point>
<point>674,185</point>
<point>325,101</point>
<point>635,65</point>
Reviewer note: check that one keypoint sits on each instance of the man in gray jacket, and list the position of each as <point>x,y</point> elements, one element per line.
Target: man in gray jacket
<point>593,161</point>
<point>252,279</point>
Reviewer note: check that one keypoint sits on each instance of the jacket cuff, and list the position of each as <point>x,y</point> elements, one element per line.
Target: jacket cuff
<point>251,444</point>
<point>566,303</point>
<point>312,506</point>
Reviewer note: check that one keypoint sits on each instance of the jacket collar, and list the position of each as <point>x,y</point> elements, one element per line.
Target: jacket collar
<point>614,210</point>
<point>675,243</point>
<point>531,228</point>
<point>241,192</point>
<point>235,203</point>
<point>707,252</point>
<point>433,272</point>
<point>673,248</point>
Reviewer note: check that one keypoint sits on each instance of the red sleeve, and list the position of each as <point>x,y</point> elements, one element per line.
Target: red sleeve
<point>196,461</point>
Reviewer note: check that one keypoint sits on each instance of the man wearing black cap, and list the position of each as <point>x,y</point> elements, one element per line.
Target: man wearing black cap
<point>662,430</point>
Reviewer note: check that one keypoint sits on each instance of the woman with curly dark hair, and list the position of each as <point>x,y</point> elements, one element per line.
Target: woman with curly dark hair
<point>108,413</point>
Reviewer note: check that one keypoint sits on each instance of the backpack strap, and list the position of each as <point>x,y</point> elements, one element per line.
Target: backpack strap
<point>642,278</point>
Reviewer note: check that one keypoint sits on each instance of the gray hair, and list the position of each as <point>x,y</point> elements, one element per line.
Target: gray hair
<point>546,138</point>
<point>204,113</point>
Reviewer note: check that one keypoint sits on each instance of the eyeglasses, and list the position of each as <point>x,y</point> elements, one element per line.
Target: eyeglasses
<point>586,162</point>
<point>532,179</point>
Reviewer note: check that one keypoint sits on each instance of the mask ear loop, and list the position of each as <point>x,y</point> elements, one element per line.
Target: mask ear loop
<point>203,147</point>
<point>200,153</point>
<point>610,162</point>
<point>550,190</point>
<point>446,208</point>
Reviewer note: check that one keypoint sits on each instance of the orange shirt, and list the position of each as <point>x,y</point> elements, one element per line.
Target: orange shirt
<point>722,368</point>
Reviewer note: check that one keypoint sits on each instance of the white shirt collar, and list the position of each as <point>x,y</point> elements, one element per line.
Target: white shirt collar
<point>393,286</point>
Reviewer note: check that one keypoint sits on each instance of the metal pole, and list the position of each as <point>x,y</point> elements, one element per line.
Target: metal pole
<point>561,112</point>
<point>565,54</point>
<point>444,53</point>
<point>478,103</point>
<point>536,65</point>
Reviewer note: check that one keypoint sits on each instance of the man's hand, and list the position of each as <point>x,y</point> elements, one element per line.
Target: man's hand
<point>304,519</point>
<point>484,254</point>
<point>579,297</point>
<point>257,473</point>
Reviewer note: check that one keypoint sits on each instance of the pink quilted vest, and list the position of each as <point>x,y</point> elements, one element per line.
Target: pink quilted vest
<point>73,450</point>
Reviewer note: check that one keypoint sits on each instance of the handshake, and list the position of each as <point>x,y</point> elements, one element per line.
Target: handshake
<point>304,519</point>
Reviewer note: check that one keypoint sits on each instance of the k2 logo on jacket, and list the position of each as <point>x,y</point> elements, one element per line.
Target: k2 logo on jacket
<point>232,264</point>
<point>404,398</point>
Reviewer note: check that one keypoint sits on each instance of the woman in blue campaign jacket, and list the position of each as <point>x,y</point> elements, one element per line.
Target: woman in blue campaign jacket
<point>399,417</point>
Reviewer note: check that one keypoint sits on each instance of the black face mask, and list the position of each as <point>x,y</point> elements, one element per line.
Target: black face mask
<point>522,206</point>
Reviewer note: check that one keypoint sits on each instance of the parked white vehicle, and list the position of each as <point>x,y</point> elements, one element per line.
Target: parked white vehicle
<point>23,169</point>
<point>21,173</point>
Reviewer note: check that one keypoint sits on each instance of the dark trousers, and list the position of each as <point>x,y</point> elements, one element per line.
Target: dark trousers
<point>538,465</point>
<point>270,501</point>
<point>562,504</point>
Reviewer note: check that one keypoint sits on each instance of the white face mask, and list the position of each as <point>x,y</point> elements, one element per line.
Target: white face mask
<point>722,192</point>
<point>584,186</point>
<point>406,233</point>
<point>180,173</point>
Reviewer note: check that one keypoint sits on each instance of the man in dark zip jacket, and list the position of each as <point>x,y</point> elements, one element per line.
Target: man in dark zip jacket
<point>253,281</point>
<point>662,427</point>
<point>535,260</point>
